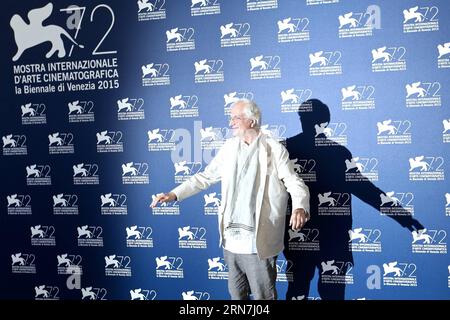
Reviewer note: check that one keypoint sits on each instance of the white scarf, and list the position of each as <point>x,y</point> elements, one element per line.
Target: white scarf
<point>239,218</point>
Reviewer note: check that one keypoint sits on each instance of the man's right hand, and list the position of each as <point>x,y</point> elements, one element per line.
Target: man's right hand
<point>164,197</point>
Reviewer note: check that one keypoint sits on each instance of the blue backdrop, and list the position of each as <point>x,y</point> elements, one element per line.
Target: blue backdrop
<point>107,103</point>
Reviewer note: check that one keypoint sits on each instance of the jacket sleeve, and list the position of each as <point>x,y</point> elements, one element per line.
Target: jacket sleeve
<point>294,184</point>
<point>202,180</point>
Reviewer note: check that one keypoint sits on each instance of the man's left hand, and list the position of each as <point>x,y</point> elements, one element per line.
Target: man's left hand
<point>298,219</point>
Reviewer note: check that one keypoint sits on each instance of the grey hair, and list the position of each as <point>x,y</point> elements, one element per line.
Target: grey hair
<point>251,110</point>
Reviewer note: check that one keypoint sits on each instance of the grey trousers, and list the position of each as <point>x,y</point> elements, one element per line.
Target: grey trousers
<point>247,274</point>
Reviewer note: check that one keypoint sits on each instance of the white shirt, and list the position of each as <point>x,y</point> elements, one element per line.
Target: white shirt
<point>245,202</point>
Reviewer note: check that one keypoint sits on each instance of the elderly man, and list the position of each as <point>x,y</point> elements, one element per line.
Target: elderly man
<point>256,176</point>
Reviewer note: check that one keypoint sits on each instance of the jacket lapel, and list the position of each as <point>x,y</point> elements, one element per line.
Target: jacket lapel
<point>262,157</point>
<point>227,172</point>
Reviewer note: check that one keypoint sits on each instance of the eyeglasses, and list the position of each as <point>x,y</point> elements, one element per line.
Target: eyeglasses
<point>237,118</point>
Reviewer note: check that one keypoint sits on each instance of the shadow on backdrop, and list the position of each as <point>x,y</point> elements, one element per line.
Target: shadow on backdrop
<point>332,177</point>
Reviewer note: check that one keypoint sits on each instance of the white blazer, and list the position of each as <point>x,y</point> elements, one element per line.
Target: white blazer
<point>277,178</point>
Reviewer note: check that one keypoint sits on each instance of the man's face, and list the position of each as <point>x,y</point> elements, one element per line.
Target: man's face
<point>238,121</point>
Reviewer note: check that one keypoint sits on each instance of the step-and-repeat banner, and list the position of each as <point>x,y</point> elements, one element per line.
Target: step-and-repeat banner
<point>107,103</point>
